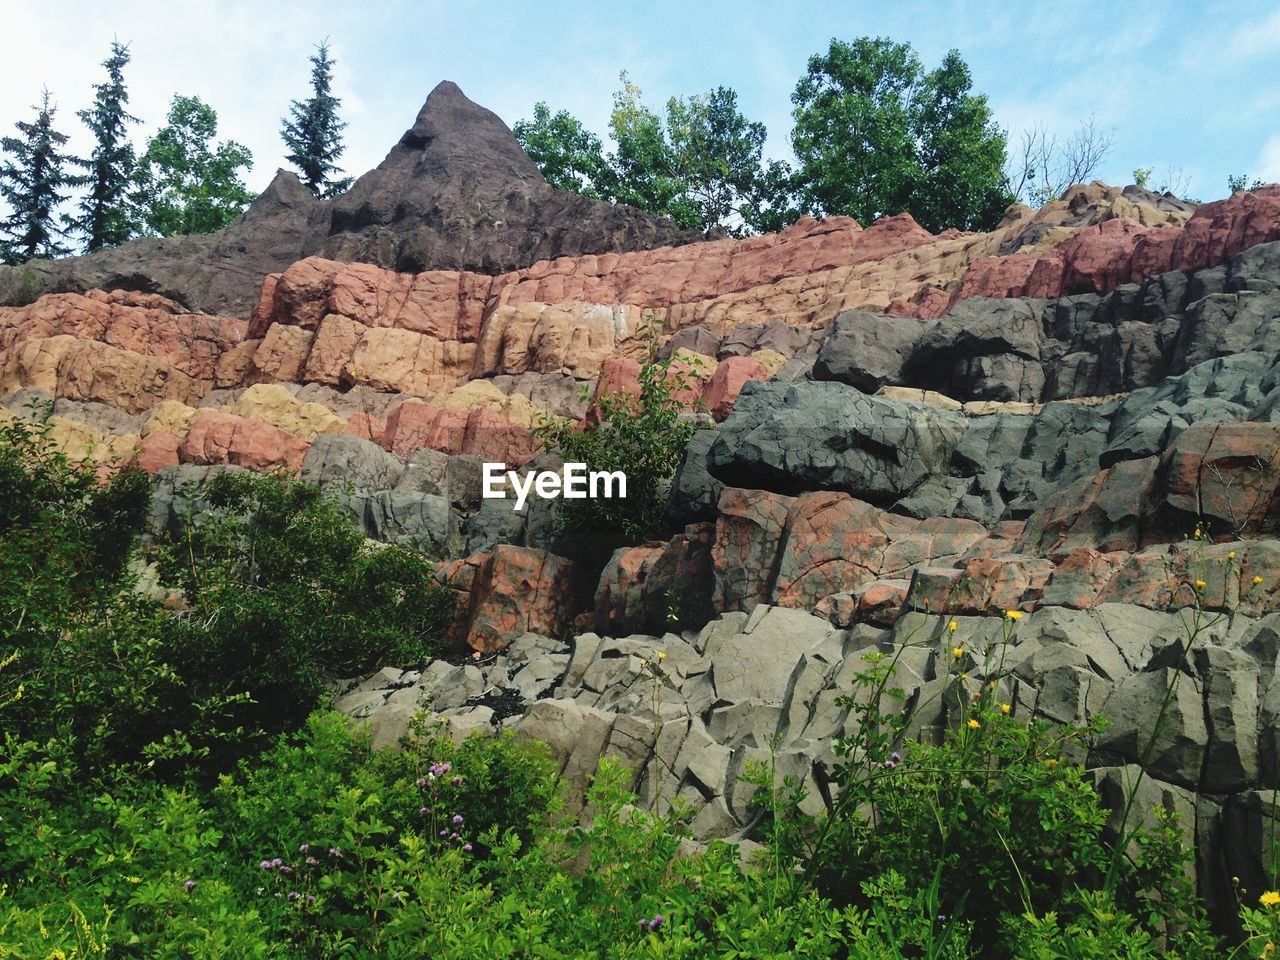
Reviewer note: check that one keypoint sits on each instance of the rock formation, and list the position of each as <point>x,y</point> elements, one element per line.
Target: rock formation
<point>1075,417</point>
<point>456,192</point>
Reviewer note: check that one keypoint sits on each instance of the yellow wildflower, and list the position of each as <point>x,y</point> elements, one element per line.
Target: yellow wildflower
<point>957,652</point>
<point>662,655</point>
<point>1005,708</point>
<point>1200,584</point>
<point>1269,899</point>
<point>134,879</point>
<point>1256,581</point>
<point>1053,762</point>
<point>1231,554</point>
<point>952,626</point>
<point>1013,614</point>
<point>1197,534</point>
<point>973,724</point>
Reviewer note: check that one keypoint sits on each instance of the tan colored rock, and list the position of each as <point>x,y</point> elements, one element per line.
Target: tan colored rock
<point>234,366</point>
<point>171,416</point>
<point>90,370</point>
<point>77,440</point>
<point>483,395</point>
<point>916,395</point>
<point>988,408</point>
<point>572,338</point>
<point>401,361</point>
<point>771,360</point>
<point>282,355</point>
<point>332,349</point>
<point>274,404</point>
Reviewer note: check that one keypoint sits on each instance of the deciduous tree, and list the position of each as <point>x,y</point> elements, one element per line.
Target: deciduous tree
<point>187,183</point>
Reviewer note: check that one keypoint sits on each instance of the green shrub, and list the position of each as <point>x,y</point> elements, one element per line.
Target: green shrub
<point>642,434</point>
<point>991,823</point>
<point>282,591</point>
<point>276,591</point>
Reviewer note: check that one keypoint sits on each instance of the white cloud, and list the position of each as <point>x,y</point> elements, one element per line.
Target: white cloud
<point>1258,38</point>
<point>1269,161</point>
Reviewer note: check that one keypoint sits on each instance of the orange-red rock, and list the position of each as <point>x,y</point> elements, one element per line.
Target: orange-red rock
<point>727,382</point>
<point>413,426</point>
<point>157,450</point>
<point>219,437</point>
<point>506,592</point>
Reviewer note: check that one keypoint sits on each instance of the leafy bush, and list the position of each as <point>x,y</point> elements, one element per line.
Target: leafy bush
<point>276,589</point>
<point>641,433</point>
<point>991,824</point>
<point>282,590</point>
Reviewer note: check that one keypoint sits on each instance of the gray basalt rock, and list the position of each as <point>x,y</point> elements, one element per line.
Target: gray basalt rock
<point>337,459</point>
<point>829,436</point>
<point>868,350</point>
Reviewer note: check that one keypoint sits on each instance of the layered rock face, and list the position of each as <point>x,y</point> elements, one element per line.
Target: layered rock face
<point>1073,417</point>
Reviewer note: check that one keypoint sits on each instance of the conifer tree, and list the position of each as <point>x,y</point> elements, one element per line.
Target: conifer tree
<point>33,180</point>
<point>104,218</point>
<point>314,134</point>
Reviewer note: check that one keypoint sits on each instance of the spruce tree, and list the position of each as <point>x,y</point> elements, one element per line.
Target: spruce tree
<point>314,134</point>
<point>33,179</point>
<point>104,218</point>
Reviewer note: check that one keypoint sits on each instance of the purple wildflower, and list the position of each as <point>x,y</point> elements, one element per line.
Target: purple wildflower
<point>265,864</point>
<point>311,899</point>
<point>657,921</point>
<point>444,833</point>
<point>422,781</point>
<point>335,851</point>
<point>304,848</point>
<point>466,848</point>
<point>896,757</point>
<point>453,836</point>
<point>457,818</point>
<point>190,885</point>
<point>276,862</point>
<point>294,895</point>
<point>457,781</point>
<point>423,810</point>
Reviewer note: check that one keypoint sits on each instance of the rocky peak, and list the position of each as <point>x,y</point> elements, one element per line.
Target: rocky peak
<point>456,192</point>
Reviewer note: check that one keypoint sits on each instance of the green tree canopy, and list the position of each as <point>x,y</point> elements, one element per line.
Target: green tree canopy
<point>33,182</point>
<point>569,155</point>
<point>314,134</point>
<point>699,164</point>
<point>186,183</point>
<point>876,135</point>
<point>104,217</point>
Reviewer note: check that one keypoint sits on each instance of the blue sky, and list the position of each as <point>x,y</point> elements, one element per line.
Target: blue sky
<point>1189,86</point>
